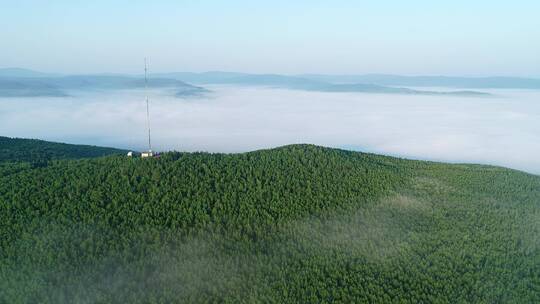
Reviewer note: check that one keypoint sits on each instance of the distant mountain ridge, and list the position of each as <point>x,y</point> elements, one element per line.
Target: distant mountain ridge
<point>378,79</point>
<point>59,86</point>
<point>433,81</point>
<point>304,83</point>
<point>16,82</point>
<point>29,87</point>
<point>214,77</point>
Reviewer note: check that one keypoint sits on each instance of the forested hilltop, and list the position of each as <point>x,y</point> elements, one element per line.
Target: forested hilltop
<point>296,224</point>
<point>35,151</point>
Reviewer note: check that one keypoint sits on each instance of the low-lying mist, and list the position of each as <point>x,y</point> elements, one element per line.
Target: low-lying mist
<point>502,130</point>
<point>215,266</point>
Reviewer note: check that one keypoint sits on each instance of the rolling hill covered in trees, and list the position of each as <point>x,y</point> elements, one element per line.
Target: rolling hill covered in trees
<point>296,224</point>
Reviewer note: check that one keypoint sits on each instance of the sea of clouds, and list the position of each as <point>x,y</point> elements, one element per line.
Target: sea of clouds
<point>501,130</point>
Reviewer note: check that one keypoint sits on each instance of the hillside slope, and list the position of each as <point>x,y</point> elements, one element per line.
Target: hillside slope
<point>34,150</point>
<point>297,224</point>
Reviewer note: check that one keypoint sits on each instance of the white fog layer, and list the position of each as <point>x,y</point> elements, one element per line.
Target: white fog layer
<point>503,130</point>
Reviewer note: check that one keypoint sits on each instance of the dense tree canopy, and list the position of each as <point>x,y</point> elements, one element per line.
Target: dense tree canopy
<point>299,223</point>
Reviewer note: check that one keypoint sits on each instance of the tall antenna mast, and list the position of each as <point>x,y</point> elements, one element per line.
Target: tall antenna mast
<point>147,106</point>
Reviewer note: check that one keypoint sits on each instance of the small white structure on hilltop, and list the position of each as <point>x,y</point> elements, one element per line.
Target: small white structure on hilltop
<point>130,154</point>
<point>147,154</point>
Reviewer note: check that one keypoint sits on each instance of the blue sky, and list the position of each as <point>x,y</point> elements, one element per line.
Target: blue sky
<point>475,38</point>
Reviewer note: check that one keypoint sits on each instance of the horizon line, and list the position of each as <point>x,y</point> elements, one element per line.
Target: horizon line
<point>537,77</point>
